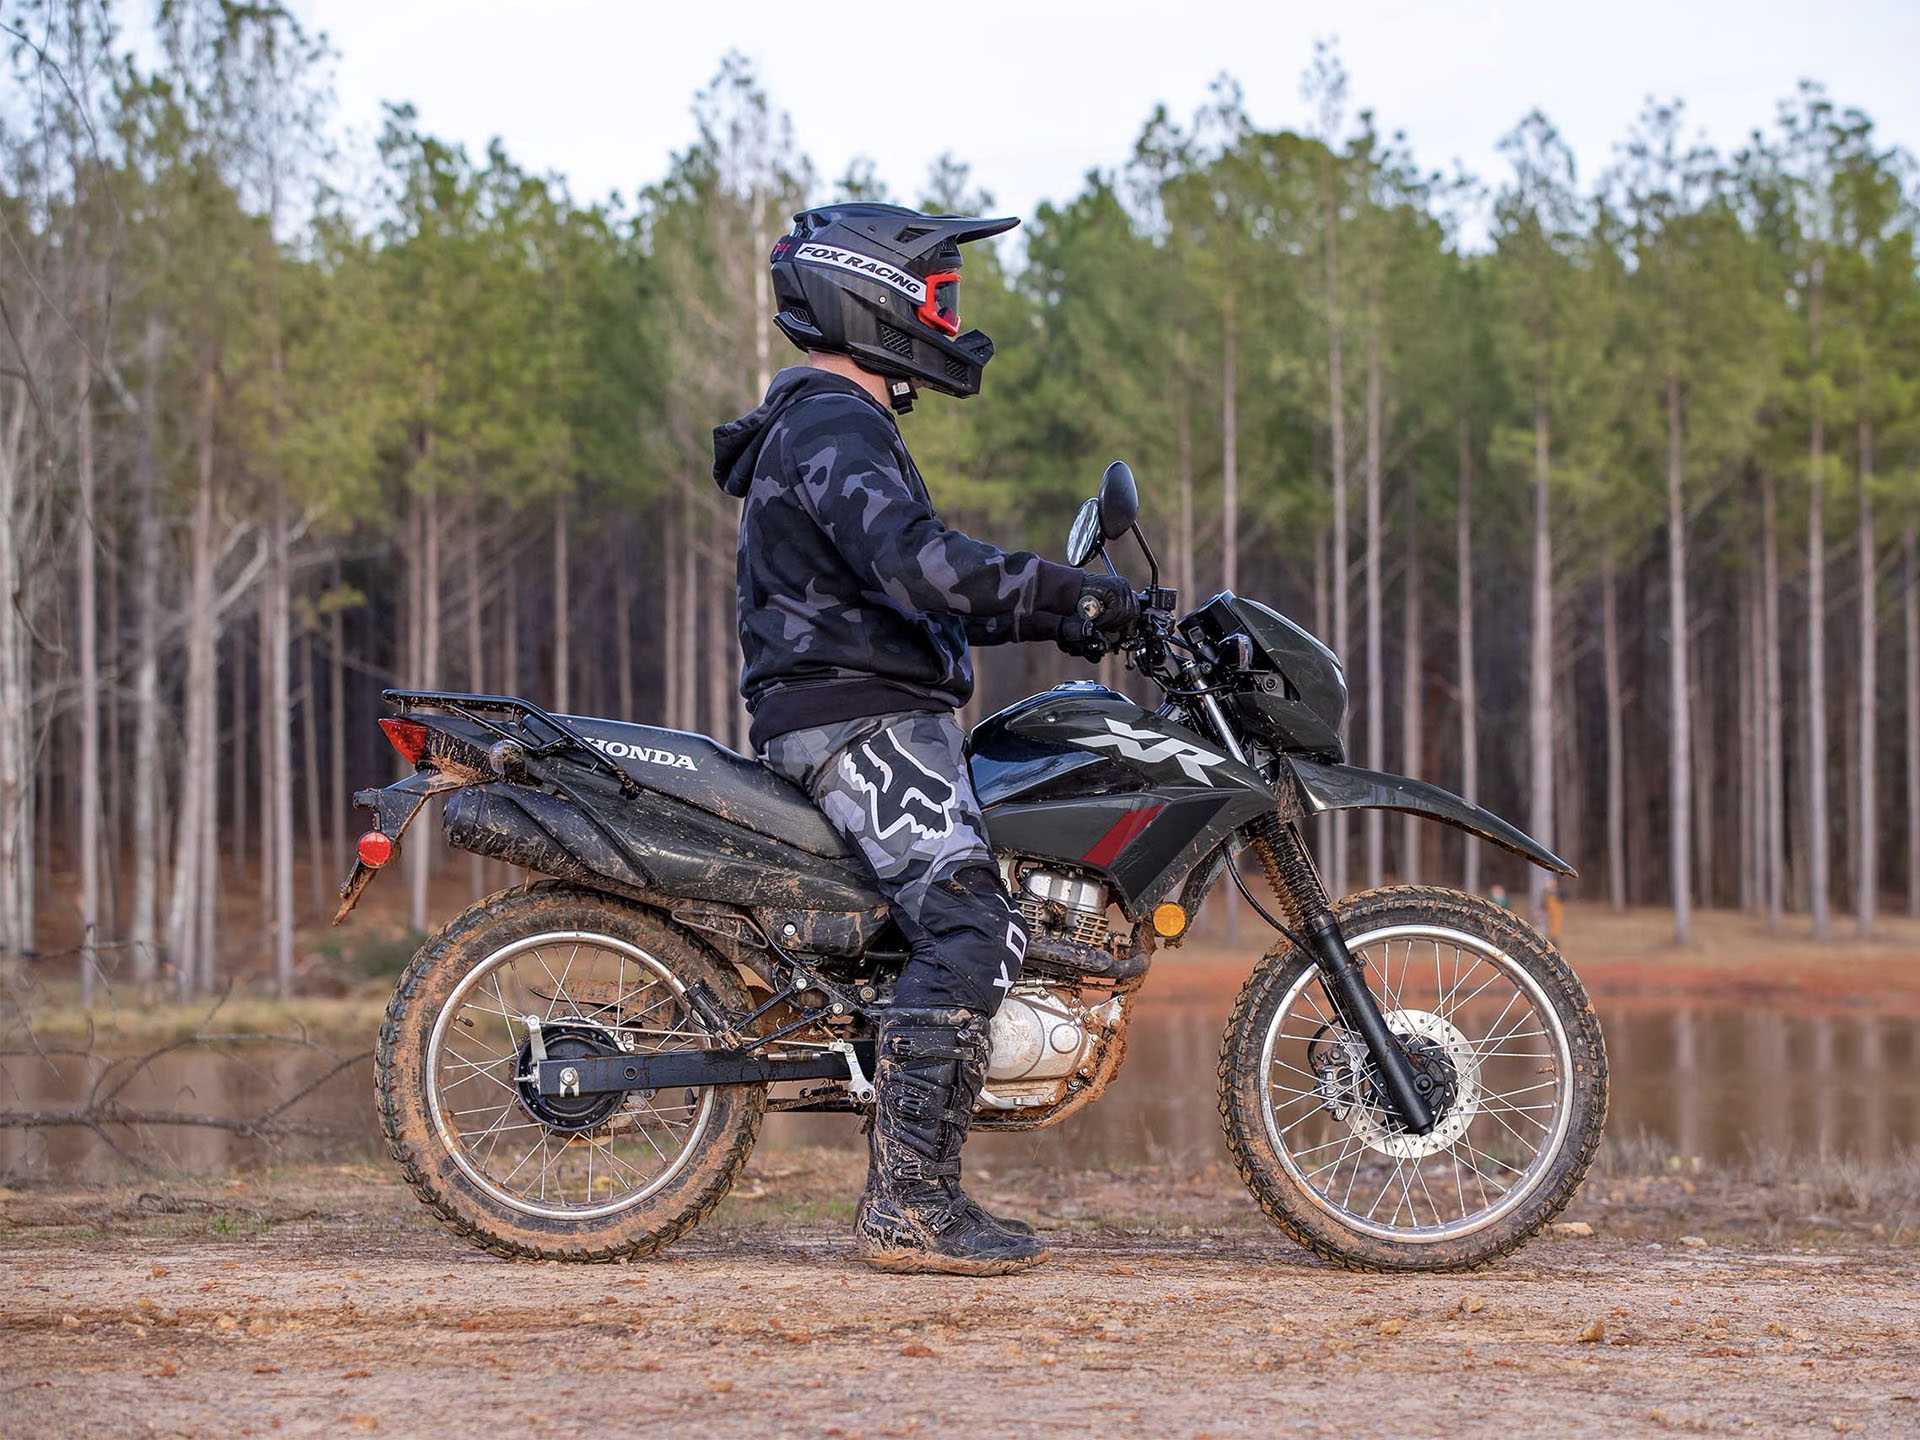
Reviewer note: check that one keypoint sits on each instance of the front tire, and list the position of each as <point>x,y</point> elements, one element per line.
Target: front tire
<point>591,1178</point>
<point>1499,1020</point>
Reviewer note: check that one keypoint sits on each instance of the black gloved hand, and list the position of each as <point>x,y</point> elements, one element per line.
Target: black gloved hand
<point>1108,604</point>
<point>1081,638</point>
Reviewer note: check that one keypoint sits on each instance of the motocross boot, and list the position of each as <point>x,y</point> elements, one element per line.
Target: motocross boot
<point>914,1218</point>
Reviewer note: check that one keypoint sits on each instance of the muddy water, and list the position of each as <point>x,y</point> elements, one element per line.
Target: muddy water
<point>1721,1084</point>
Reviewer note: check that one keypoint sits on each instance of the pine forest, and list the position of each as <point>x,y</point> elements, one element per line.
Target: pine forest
<point>1605,487</point>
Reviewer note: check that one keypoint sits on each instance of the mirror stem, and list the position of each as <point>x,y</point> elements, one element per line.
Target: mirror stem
<point>1153,565</point>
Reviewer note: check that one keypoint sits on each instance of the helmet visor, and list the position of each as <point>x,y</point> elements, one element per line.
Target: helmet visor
<point>941,308</point>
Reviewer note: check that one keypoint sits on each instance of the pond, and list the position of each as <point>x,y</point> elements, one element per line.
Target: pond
<point>1723,1084</point>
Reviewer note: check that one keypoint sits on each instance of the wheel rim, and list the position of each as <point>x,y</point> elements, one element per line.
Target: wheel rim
<point>592,988</point>
<point>1477,1014</point>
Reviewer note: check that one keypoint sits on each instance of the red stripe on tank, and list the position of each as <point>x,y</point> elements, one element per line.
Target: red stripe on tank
<point>1122,833</point>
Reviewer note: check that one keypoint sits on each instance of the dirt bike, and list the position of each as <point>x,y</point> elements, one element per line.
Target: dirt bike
<point>1412,1077</point>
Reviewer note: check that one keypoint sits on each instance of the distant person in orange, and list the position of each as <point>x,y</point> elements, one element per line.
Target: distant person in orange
<point>1556,912</point>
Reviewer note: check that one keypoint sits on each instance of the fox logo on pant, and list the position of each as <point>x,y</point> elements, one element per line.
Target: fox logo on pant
<point>899,790</point>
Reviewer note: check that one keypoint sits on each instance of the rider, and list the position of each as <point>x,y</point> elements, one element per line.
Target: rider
<point>857,606</point>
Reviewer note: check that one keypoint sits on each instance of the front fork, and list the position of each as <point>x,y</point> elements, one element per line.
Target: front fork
<point>1297,884</point>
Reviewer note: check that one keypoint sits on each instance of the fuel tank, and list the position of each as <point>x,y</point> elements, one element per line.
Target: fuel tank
<point>1082,776</point>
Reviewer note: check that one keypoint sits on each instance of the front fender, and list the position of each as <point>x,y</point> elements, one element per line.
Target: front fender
<point>1347,787</point>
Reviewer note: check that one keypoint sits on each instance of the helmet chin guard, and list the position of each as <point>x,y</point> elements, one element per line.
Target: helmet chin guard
<point>881,285</point>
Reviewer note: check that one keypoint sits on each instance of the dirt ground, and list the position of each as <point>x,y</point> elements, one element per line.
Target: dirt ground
<point>323,1301</point>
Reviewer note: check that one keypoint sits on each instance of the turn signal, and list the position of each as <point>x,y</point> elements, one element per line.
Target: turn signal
<point>374,849</point>
<point>1169,920</point>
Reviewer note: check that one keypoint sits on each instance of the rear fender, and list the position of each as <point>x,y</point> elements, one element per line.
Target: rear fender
<point>1347,787</point>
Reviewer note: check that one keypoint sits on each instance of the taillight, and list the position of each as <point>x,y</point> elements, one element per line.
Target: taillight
<point>409,737</point>
<point>374,849</point>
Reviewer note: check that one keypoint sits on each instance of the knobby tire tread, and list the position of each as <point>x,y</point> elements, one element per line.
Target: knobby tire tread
<point>1271,1187</point>
<point>417,1166</point>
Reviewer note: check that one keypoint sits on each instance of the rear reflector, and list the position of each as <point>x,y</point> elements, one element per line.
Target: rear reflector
<point>375,849</point>
<point>409,737</point>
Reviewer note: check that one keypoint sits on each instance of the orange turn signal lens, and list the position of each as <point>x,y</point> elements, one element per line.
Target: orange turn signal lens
<point>1169,920</point>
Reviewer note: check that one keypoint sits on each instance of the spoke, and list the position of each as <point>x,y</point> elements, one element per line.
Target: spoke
<point>1447,1011</point>
<point>1347,1143</point>
<point>1432,1204</point>
<point>1495,1116</point>
<point>1511,999</point>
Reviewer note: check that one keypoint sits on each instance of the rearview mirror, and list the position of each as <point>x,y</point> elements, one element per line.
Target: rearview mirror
<point>1084,539</point>
<point>1119,501</point>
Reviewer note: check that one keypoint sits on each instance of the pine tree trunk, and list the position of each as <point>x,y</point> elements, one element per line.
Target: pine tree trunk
<point>1540,667</point>
<point>310,773</point>
<point>1867,819</point>
<point>87,622</point>
<point>277,720</point>
<point>722,647</point>
<point>671,600</point>
<point>337,727</point>
<point>16,691</point>
<point>510,631</point>
<point>689,718</point>
<point>1616,735</point>
<point>1413,661</point>
<point>427,668</point>
<point>1747,766</point>
<point>142,930</point>
<point>1911,550</point>
<point>1323,826</point>
<point>1336,406</point>
<point>476,660</point>
<point>1773,708</point>
<point>264,703</point>
<point>1183,549</point>
<point>1229,448</point>
<point>1469,686</point>
<point>242,790</point>
<point>561,627</point>
<point>1375,823</point>
<point>1679,683</point>
<point>623,624</point>
<point>1818,850</point>
<point>189,934</point>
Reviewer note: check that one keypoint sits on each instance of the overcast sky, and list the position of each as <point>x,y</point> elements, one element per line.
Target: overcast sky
<point>1035,94</point>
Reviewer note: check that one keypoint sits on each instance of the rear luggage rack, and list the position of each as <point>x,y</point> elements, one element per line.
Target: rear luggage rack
<point>476,708</point>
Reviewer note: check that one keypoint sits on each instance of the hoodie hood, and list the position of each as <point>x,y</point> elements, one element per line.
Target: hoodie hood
<point>736,444</point>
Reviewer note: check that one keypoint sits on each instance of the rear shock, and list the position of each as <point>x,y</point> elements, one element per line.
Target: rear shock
<point>1296,884</point>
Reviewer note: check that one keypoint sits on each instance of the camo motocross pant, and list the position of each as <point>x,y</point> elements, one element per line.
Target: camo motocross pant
<point>896,786</point>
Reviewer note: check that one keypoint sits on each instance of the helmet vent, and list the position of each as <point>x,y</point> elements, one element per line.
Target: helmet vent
<point>802,314</point>
<point>957,369</point>
<point>898,341</point>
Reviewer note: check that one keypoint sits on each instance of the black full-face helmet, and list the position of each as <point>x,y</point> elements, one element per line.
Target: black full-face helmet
<point>881,283</point>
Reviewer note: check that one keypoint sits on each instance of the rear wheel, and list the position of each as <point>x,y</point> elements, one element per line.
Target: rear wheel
<point>1501,1028</point>
<point>593,1177</point>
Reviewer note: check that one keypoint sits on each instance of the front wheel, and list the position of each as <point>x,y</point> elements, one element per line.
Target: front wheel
<point>1485,1006</point>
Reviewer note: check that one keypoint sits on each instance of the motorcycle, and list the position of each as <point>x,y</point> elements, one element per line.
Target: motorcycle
<point>577,1068</point>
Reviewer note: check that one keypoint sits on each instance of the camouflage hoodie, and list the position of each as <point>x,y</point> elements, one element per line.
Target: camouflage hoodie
<point>854,599</point>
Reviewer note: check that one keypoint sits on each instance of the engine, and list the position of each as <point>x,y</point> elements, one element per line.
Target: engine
<point>1043,1035</point>
<point>1054,902</point>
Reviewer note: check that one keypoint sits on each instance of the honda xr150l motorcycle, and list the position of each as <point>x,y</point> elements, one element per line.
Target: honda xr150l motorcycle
<point>1412,1078</point>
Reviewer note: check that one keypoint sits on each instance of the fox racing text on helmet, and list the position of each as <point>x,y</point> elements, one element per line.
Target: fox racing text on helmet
<point>881,283</point>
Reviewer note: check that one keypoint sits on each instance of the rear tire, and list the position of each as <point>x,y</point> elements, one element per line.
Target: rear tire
<point>1521,1055</point>
<point>664,1161</point>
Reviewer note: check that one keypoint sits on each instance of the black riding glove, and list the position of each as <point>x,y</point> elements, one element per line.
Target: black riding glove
<point>1080,638</point>
<point>1108,603</point>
